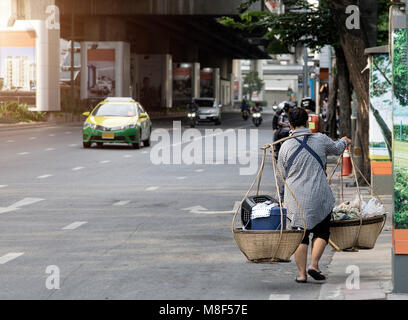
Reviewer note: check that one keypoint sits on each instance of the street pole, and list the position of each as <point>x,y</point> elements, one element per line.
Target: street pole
<point>72,60</point>
<point>330,65</point>
<point>354,117</point>
<point>306,72</point>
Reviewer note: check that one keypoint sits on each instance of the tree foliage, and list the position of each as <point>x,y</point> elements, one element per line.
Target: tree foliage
<point>252,83</point>
<point>381,81</point>
<point>302,23</point>
<point>383,20</point>
<point>401,199</point>
<point>400,67</point>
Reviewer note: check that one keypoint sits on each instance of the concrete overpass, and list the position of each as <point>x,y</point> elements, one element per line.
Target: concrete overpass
<point>178,33</point>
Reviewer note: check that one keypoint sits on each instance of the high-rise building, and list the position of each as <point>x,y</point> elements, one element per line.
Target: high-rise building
<point>19,73</point>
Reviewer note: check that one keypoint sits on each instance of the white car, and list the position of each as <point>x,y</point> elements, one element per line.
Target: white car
<point>208,110</point>
<point>119,99</point>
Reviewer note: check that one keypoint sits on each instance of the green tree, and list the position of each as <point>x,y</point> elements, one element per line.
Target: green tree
<point>252,83</point>
<point>302,24</point>
<point>315,26</point>
<point>381,84</point>
<point>400,68</point>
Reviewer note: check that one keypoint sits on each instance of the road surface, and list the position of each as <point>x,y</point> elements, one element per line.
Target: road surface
<point>117,226</point>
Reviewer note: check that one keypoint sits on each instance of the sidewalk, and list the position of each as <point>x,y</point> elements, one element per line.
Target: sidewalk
<point>373,265</point>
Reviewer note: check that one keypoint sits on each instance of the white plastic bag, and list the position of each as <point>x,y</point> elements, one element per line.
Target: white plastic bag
<point>356,203</point>
<point>373,208</point>
<point>262,210</point>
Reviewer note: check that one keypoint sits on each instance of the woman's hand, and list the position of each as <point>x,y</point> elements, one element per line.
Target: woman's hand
<point>347,140</point>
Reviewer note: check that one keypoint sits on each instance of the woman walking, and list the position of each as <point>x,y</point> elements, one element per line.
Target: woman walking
<point>303,163</point>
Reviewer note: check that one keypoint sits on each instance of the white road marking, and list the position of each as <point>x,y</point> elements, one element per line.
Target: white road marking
<point>202,210</point>
<point>202,137</point>
<point>23,153</point>
<point>68,132</point>
<point>32,138</point>
<point>19,204</point>
<point>152,188</point>
<point>279,297</point>
<point>199,170</point>
<point>127,156</point>
<point>49,149</point>
<point>144,152</point>
<point>51,135</point>
<point>195,208</point>
<point>77,168</point>
<point>10,256</point>
<point>3,186</point>
<point>9,209</point>
<point>10,141</point>
<point>104,161</point>
<point>73,145</point>
<point>74,225</point>
<point>181,178</point>
<point>26,202</point>
<point>121,203</point>
<point>45,176</point>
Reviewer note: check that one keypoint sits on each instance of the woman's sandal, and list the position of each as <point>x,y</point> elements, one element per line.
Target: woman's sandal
<point>317,275</point>
<point>300,281</point>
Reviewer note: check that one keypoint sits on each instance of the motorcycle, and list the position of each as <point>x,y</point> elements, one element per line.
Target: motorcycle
<point>192,118</point>
<point>245,114</point>
<point>257,118</point>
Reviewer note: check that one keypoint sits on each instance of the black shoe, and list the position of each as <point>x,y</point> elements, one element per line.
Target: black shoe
<point>300,281</point>
<point>317,275</point>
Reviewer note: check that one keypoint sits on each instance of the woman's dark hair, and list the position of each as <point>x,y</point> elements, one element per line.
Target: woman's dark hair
<point>298,117</point>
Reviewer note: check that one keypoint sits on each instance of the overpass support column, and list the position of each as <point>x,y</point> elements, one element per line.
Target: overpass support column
<point>48,67</point>
<point>217,84</point>
<point>196,80</point>
<point>232,86</point>
<point>168,81</point>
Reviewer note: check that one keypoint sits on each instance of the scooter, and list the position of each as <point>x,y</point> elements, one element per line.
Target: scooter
<point>245,114</point>
<point>192,118</point>
<point>257,118</point>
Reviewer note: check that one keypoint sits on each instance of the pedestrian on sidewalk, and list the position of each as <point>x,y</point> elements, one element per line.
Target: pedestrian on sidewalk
<point>302,161</point>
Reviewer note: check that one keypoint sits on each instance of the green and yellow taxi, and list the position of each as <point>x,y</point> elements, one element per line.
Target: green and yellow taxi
<point>117,120</point>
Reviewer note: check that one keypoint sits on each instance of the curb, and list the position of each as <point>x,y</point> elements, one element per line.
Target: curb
<point>6,127</point>
<point>17,126</point>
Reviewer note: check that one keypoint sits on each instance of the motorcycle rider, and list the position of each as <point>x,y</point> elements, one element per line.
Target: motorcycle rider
<point>192,106</point>
<point>256,114</point>
<point>275,124</point>
<point>257,107</point>
<point>245,110</point>
<point>284,122</point>
<point>244,105</point>
<point>284,126</point>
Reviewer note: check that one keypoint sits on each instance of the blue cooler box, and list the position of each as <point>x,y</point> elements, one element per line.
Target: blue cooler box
<point>273,222</point>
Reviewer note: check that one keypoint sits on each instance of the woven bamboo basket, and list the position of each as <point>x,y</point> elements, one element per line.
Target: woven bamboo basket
<point>344,233</point>
<point>268,246</point>
<point>359,233</point>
